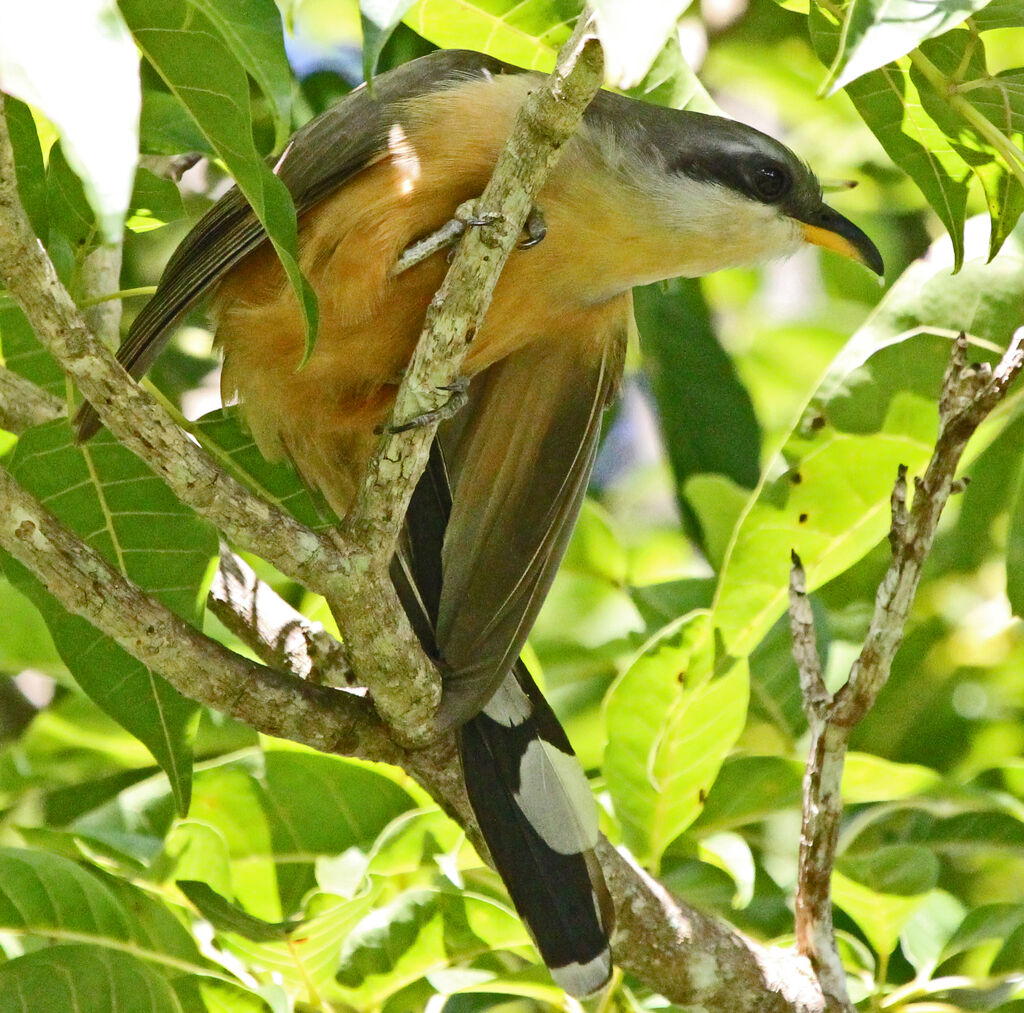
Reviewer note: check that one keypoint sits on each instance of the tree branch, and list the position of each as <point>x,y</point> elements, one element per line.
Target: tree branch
<point>280,635</point>
<point>198,667</point>
<point>969,394</point>
<point>23,404</point>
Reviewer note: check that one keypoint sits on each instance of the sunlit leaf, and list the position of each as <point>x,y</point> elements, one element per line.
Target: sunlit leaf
<point>48,43</point>
<point>880,916</point>
<point>876,32</point>
<point>633,33</point>
<point>671,719</point>
<point>423,932</point>
<point>525,34</point>
<point>929,929</point>
<point>983,119</point>
<point>874,410</point>
<point>889,103</point>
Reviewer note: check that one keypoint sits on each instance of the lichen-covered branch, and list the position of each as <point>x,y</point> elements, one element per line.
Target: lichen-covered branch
<point>198,667</point>
<point>969,393</point>
<point>23,404</point>
<point>280,635</point>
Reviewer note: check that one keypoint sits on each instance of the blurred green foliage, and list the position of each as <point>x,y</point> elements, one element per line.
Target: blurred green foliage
<point>763,411</point>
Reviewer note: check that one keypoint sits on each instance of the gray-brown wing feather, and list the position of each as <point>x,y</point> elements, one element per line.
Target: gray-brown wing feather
<point>519,462</point>
<point>324,154</point>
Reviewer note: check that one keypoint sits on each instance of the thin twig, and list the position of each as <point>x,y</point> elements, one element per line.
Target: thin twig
<point>969,394</point>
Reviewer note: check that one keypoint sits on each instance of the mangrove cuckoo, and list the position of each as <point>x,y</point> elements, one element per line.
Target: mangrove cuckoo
<point>640,193</point>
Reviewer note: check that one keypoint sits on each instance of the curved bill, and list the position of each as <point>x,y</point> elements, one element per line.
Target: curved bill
<point>829,229</point>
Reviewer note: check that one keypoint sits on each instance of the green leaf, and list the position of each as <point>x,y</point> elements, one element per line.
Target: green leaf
<point>748,789</point>
<point>155,202</point>
<point>706,415</point>
<point>983,118</point>
<point>86,979</point>
<point>880,916</point>
<point>525,34</point>
<point>47,895</point>
<point>888,101</point>
<point>222,435</point>
<point>203,72</point>
<point>422,932</point>
<point>226,917</point>
<point>876,32</point>
<point>313,951</point>
<point>903,870</point>
<point>672,717</point>
<point>1015,547</point>
<point>379,19</point>
<point>929,929</point>
<point>46,45</point>
<point>253,33</point>
<point>868,778</point>
<point>129,516</point>
<point>875,409</point>
<point>670,81</point>
<point>633,33</point>
<point>982,925</point>
<point>28,163</point>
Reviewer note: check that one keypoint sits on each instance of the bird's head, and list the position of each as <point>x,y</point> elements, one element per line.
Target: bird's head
<point>734,194</point>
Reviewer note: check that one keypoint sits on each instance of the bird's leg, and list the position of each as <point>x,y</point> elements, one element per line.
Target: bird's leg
<point>456,401</point>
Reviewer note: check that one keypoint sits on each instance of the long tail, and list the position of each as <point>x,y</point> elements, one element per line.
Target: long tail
<point>538,817</point>
<point>526,787</point>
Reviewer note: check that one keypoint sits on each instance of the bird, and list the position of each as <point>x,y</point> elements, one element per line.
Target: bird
<point>640,193</point>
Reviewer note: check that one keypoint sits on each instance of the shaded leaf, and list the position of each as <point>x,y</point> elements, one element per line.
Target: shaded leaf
<point>900,869</point>
<point>48,895</point>
<point>379,19</point>
<point>86,979</point>
<point>706,415</point>
<point>227,917</point>
<point>888,101</point>
<point>880,916</point>
<point>422,932</point>
<point>203,73</point>
<point>252,31</point>
<point>127,514</point>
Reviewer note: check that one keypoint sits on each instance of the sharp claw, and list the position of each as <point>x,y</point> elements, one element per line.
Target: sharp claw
<point>456,401</point>
<point>535,228</point>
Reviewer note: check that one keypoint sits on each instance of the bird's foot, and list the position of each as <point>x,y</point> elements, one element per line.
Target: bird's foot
<point>535,227</point>
<point>457,397</point>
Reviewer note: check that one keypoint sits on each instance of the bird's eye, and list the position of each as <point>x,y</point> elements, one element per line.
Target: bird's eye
<point>771,182</point>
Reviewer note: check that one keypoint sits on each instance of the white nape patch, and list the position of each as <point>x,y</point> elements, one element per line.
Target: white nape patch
<point>509,706</point>
<point>582,980</point>
<point>404,158</point>
<point>555,797</point>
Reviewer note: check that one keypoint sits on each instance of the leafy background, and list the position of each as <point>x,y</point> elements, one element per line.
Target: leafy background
<point>161,858</point>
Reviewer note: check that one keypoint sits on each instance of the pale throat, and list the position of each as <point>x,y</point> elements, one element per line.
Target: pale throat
<point>612,231</point>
